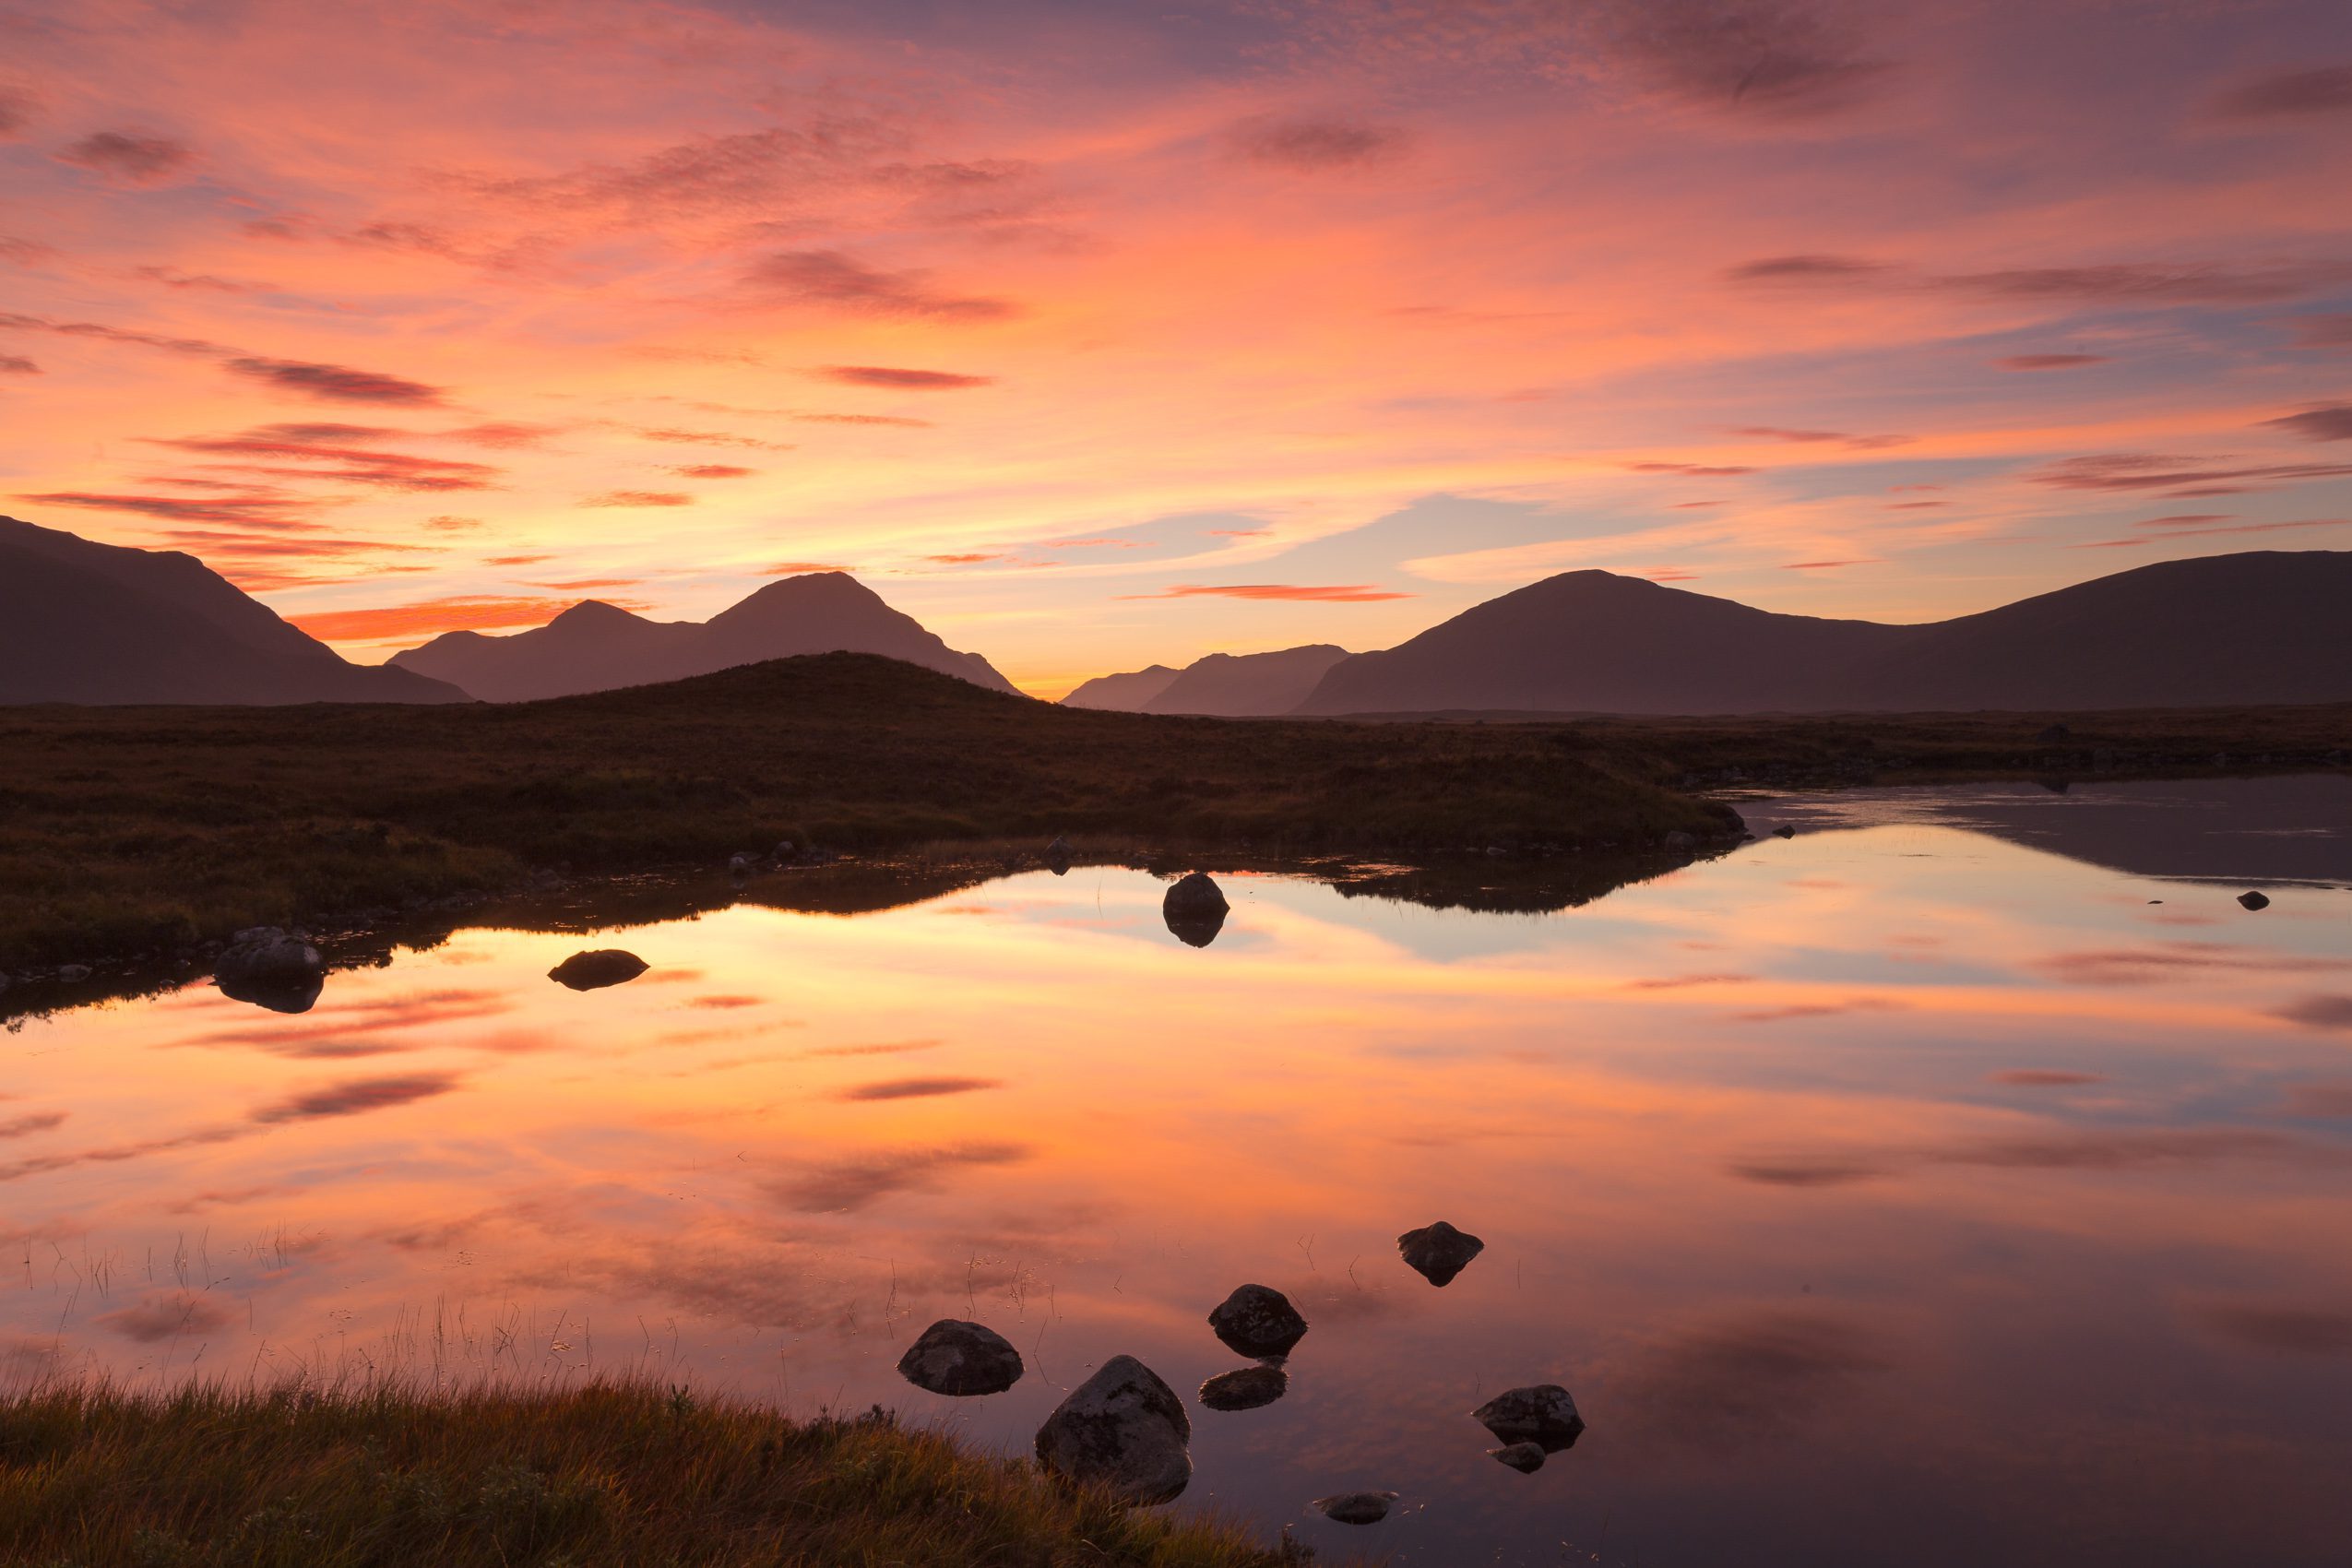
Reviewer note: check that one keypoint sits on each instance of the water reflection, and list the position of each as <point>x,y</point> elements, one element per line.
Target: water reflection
<point>1907,1192</point>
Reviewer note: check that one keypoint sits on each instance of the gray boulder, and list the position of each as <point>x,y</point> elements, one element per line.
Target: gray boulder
<point>961,1360</point>
<point>1525,1458</point>
<point>598,968</point>
<point>743,863</point>
<point>1542,1414</point>
<point>1123,1430</point>
<point>1355,1507</point>
<point>270,968</point>
<point>2254,901</point>
<point>1257,1320</point>
<point>1246,1389</point>
<point>1437,1252</point>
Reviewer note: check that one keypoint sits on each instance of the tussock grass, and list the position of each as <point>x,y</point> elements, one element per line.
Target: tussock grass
<point>132,829</point>
<point>125,831</point>
<point>615,1474</point>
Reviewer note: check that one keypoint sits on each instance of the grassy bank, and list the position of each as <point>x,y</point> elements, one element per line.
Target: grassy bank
<point>616,1475</point>
<point>125,831</point>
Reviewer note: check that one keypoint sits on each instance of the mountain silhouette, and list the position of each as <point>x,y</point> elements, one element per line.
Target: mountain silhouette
<point>2263,626</point>
<point>1229,686</point>
<point>82,621</point>
<point>595,646</point>
<point>1126,693</point>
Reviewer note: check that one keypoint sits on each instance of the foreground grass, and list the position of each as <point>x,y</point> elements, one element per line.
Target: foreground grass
<point>139,831</point>
<point>125,830</point>
<point>609,1475</point>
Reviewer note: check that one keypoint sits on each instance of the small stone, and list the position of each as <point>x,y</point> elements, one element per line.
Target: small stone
<point>1355,1507</point>
<point>2254,901</point>
<point>596,968</point>
<point>1437,1252</point>
<point>1541,1414</point>
<point>961,1360</point>
<point>742,863</point>
<point>1784,831</point>
<point>1246,1389</point>
<point>1525,1458</point>
<point>1257,1320</point>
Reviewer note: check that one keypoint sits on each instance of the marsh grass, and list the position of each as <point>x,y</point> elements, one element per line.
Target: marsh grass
<point>131,831</point>
<point>382,1475</point>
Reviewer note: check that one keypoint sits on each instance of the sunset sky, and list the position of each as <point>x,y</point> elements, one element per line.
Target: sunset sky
<point>1096,334</point>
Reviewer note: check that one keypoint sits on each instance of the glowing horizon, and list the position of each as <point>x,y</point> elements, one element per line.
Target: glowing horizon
<point>1097,340</point>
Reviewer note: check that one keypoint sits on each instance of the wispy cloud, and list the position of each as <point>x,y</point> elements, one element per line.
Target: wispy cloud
<point>1344,593</point>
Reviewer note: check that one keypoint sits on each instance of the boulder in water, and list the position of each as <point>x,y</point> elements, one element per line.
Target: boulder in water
<point>1525,1458</point>
<point>961,1360</point>
<point>1193,897</point>
<point>1246,1389</point>
<point>1784,831</point>
<point>1123,1430</point>
<point>2254,901</point>
<point>1437,1252</point>
<point>596,968</point>
<point>270,968</point>
<point>1257,1320</point>
<point>1355,1507</point>
<point>1542,1414</point>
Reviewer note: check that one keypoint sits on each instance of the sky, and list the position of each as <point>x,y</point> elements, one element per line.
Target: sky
<point>1095,334</point>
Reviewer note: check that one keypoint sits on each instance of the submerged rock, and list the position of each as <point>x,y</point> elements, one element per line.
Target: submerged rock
<point>1437,1252</point>
<point>961,1360</point>
<point>1355,1507</point>
<point>2254,901</point>
<point>1257,1320</point>
<point>1124,1430</point>
<point>1784,831</point>
<point>742,863</point>
<point>1542,1414</point>
<point>1525,1458</point>
<point>596,968</point>
<point>270,968</point>
<point>1246,1389</point>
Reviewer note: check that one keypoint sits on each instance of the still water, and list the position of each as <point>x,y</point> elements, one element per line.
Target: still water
<point>1966,1179</point>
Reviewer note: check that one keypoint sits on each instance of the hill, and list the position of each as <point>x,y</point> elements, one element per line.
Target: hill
<point>2256,628</point>
<point>595,646</point>
<point>82,621</point>
<point>1227,685</point>
<point>1122,694</point>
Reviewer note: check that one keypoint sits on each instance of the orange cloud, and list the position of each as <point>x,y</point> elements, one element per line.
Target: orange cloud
<point>1351,593</point>
<point>429,617</point>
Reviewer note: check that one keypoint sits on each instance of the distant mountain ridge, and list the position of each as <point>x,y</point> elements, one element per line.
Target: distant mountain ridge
<point>1226,685</point>
<point>2258,627</point>
<point>595,646</point>
<point>82,621</point>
